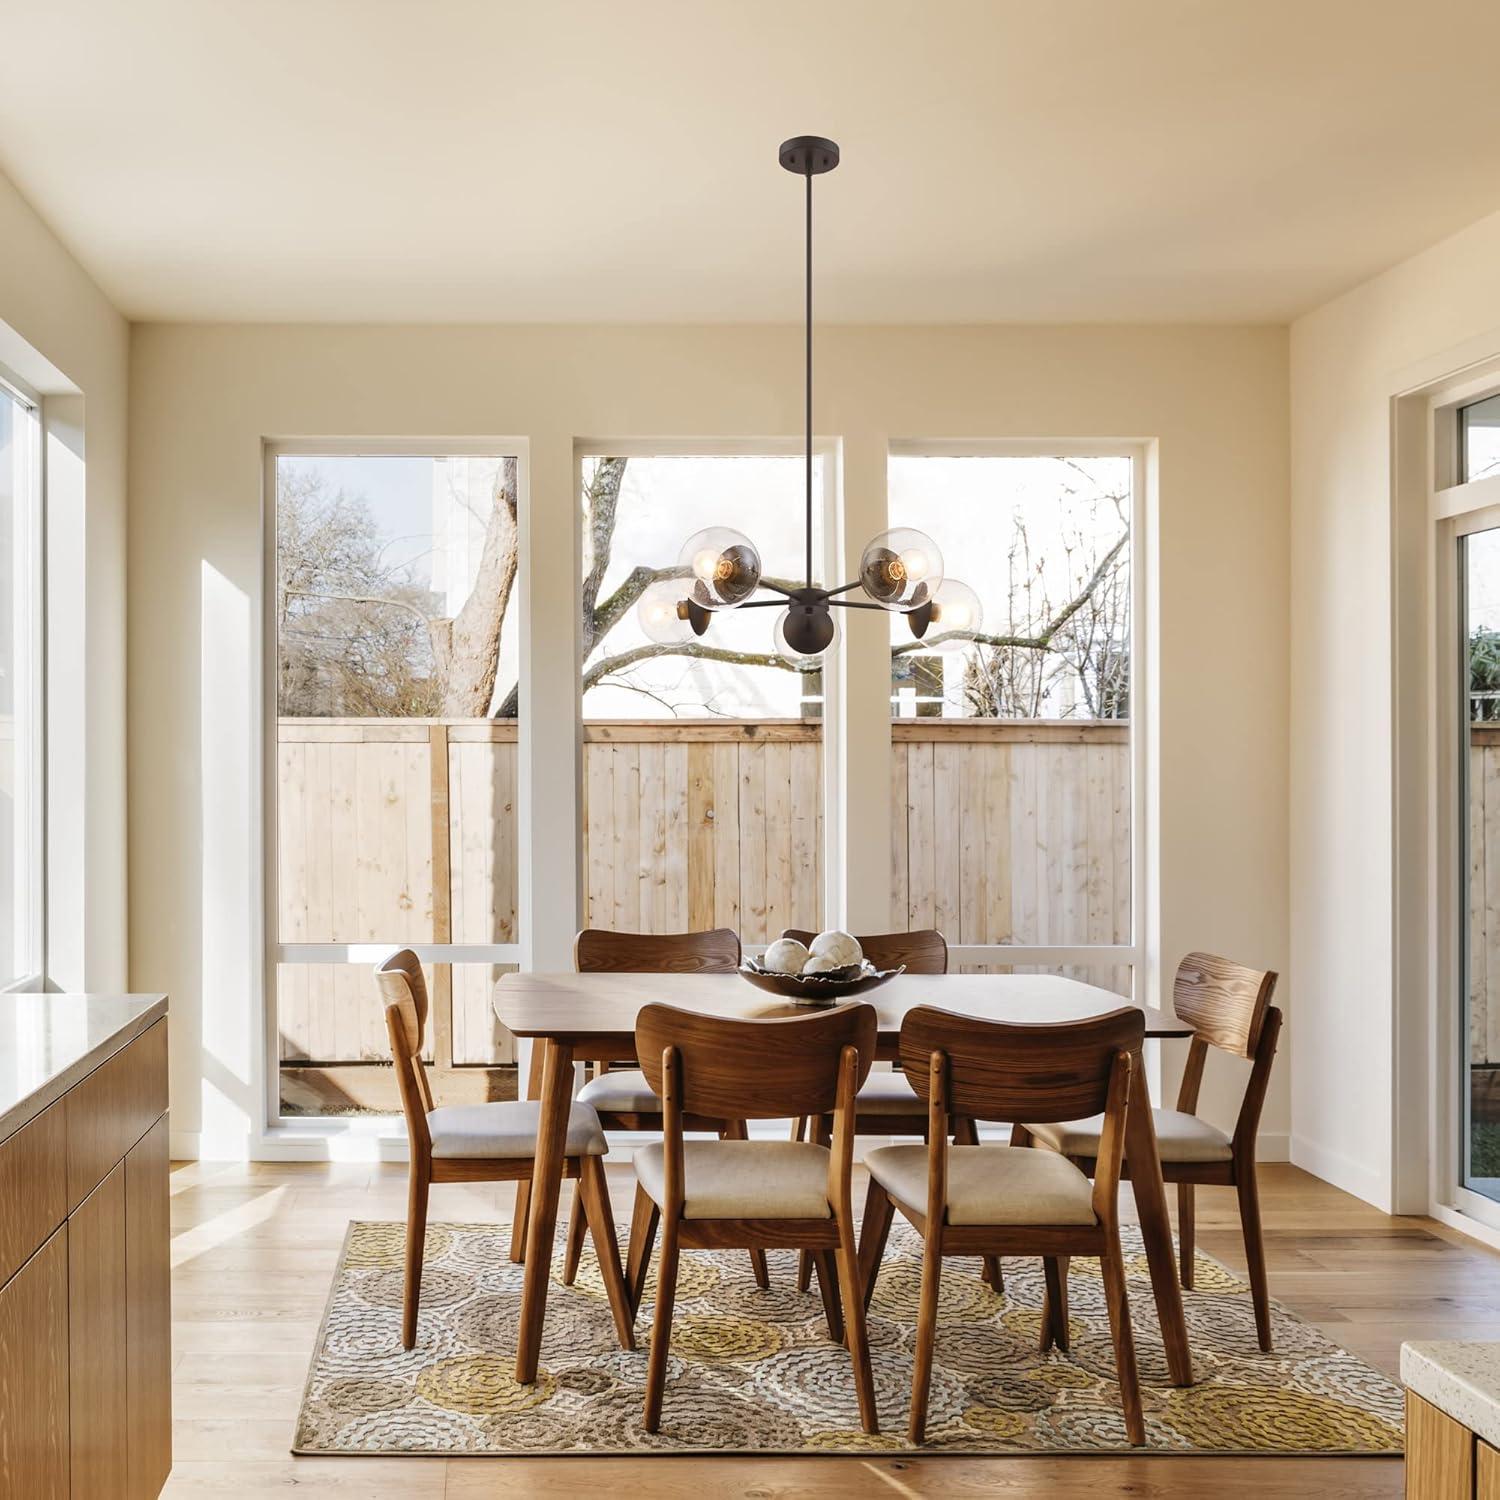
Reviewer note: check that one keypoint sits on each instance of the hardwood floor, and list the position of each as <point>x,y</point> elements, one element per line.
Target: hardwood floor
<point>254,1248</point>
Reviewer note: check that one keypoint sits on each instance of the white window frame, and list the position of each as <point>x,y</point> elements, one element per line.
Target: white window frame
<point>1134,953</point>
<point>1457,508</point>
<point>31,658</point>
<point>271,950</point>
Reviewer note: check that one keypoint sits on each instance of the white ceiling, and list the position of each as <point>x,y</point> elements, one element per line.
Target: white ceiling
<point>615,160</point>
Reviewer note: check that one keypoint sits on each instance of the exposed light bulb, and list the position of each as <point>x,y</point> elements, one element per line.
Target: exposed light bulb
<point>957,616</point>
<point>705,564</point>
<point>916,564</point>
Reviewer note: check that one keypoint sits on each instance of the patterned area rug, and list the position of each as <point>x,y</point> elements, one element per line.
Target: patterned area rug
<point>755,1371</point>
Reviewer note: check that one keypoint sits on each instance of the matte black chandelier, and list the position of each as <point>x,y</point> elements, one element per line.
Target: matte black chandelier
<point>901,570</point>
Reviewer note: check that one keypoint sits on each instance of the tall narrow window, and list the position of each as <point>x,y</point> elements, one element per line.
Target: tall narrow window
<point>21,839</point>
<point>1012,773</point>
<point>396,700</point>
<point>702,757</point>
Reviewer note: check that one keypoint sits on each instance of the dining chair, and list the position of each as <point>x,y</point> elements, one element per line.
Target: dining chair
<point>493,1142</point>
<point>760,1194</point>
<point>887,1105</point>
<point>621,1096</point>
<point>1004,1200</point>
<point>1229,1007</point>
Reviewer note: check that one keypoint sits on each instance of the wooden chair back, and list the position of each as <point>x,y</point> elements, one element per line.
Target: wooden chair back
<point>753,1070</point>
<point>598,951</point>
<point>923,952</point>
<point>1224,1002</point>
<point>403,988</point>
<point>1000,1070</point>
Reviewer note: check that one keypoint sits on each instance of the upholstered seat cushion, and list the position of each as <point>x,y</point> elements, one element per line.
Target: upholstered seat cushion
<point>990,1184</point>
<point>1179,1137</point>
<point>742,1179</point>
<point>625,1092</point>
<point>888,1093</point>
<point>507,1129</point>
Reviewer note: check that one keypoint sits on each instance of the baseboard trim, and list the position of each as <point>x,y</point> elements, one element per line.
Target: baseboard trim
<point>1335,1168</point>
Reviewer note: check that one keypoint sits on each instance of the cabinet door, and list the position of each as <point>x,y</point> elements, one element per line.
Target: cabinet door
<point>34,1375</point>
<point>148,1279</point>
<point>96,1315</point>
<point>1439,1454</point>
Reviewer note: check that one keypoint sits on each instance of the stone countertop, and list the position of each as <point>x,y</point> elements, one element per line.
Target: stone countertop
<point>1461,1379</point>
<point>49,1042</point>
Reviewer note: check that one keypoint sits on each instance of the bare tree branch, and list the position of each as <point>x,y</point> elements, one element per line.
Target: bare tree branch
<point>695,652</point>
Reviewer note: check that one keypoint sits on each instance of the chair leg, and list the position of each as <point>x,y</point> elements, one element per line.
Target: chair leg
<point>1255,1252</point>
<point>799,1127</point>
<point>821,1134</point>
<point>1185,1207</point>
<point>518,1222</point>
<point>927,1310</point>
<point>828,1289</point>
<point>734,1130</point>
<point>1020,1135</point>
<point>643,1222</point>
<point>661,1326</point>
<point>1055,1304</point>
<point>1112,1264</point>
<point>416,1239</point>
<point>855,1333</point>
<point>595,1206</point>
<point>578,1223</point>
<point>873,1233</point>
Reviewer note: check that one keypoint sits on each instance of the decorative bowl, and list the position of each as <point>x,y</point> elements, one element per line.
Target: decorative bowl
<point>819,989</point>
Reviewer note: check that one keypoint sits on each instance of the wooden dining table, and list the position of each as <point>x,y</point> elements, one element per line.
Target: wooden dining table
<point>591,1018</point>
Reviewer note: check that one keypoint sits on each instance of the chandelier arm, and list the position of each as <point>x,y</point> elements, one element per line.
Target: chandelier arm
<point>760,604</point>
<point>843,588</point>
<point>861,604</point>
<point>775,588</point>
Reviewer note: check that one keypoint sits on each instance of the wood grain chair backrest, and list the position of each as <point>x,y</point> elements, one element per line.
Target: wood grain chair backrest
<point>598,951</point>
<point>924,951</point>
<point>754,1070</point>
<point>403,988</point>
<point>1000,1070</point>
<point>1224,1002</point>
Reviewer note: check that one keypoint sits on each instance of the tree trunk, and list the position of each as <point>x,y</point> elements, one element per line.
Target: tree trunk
<point>474,641</point>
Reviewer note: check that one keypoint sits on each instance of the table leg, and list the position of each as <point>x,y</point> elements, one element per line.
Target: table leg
<point>546,1179</point>
<point>1156,1227</point>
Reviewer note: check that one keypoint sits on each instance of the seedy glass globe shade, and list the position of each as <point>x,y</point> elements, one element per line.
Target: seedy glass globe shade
<point>901,568</point>
<point>955,606</point>
<point>811,627</point>
<point>660,614</point>
<point>724,562</point>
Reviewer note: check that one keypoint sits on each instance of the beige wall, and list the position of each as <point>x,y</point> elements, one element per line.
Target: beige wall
<point>61,334</point>
<point>1359,1059</point>
<point>1214,400</point>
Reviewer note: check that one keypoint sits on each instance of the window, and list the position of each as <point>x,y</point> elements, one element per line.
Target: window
<point>703,759</point>
<point>396,654</point>
<point>1013,776</point>
<point>22,879</point>
<point>1479,439</point>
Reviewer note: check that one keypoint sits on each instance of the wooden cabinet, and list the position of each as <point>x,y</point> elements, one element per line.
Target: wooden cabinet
<point>148,1310</point>
<point>1444,1460</point>
<point>85,1304</point>
<point>96,1338</point>
<point>34,1375</point>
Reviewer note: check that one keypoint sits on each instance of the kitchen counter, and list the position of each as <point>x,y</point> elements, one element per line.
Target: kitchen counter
<point>1461,1379</point>
<point>49,1042</point>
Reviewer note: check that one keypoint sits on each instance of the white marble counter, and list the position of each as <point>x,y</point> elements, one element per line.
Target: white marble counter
<point>1461,1379</point>
<point>49,1042</point>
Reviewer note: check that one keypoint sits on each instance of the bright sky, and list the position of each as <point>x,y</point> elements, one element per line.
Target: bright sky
<point>969,506</point>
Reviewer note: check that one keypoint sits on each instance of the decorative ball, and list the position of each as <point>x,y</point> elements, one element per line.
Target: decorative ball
<point>784,956</point>
<point>839,946</point>
<point>821,963</point>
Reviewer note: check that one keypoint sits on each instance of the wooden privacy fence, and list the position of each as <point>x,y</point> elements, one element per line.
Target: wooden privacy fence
<point>404,831</point>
